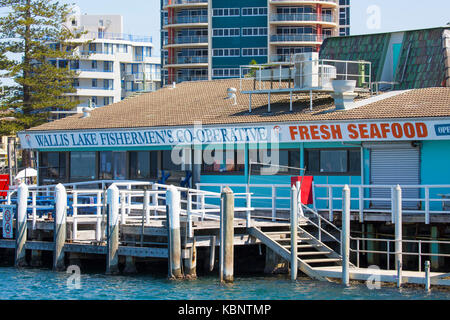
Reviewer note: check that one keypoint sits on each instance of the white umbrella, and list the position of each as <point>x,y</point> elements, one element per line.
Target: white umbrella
<point>27,173</point>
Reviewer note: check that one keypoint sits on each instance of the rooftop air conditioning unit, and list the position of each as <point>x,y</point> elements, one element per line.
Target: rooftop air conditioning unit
<point>306,70</point>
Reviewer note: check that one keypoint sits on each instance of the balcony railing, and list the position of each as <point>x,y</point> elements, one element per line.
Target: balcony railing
<point>298,38</point>
<point>99,51</point>
<point>299,17</point>
<point>166,2</point>
<point>117,36</point>
<point>192,78</point>
<point>149,76</point>
<point>95,88</point>
<point>188,60</point>
<point>281,1</point>
<point>188,20</point>
<point>186,40</point>
<point>91,70</point>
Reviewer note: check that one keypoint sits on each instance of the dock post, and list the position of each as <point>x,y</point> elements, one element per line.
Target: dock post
<point>21,225</point>
<point>345,241</point>
<point>130,265</point>
<point>173,200</point>
<point>190,263</point>
<point>112,260</point>
<point>212,253</point>
<point>434,247</point>
<point>294,233</point>
<point>427,276</point>
<point>59,235</point>
<point>398,226</point>
<point>227,236</point>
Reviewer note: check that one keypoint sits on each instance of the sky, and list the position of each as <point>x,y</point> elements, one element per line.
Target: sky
<point>142,17</point>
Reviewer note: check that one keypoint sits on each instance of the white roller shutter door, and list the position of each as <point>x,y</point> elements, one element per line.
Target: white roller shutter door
<point>391,165</point>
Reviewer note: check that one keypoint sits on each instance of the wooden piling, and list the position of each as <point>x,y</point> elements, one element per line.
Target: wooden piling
<point>112,262</point>
<point>59,235</point>
<point>345,241</point>
<point>227,236</point>
<point>294,233</point>
<point>21,225</point>
<point>130,265</point>
<point>173,200</point>
<point>190,264</point>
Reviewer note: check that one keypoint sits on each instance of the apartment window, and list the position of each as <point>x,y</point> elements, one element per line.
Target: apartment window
<point>108,84</point>
<point>147,51</point>
<point>76,83</point>
<point>92,48</point>
<point>226,72</point>
<point>94,83</point>
<point>94,101</point>
<point>109,48</point>
<point>262,11</point>
<point>75,65</point>
<point>226,53</point>
<point>82,166</point>
<point>122,48</point>
<point>226,32</point>
<point>254,32</point>
<point>226,12</point>
<point>224,161</point>
<point>254,52</point>
<point>333,161</point>
<point>279,161</point>
<point>108,66</point>
<point>94,65</point>
<point>107,101</point>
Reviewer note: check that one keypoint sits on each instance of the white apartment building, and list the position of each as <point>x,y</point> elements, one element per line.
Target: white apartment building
<point>112,65</point>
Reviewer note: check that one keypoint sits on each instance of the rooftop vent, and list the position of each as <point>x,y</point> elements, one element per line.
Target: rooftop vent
<point>232,95</point>
<point>86,112</point>
<point>344,94</point>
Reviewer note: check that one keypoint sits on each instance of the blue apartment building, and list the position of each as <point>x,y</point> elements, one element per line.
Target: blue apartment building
<point>211,39</point>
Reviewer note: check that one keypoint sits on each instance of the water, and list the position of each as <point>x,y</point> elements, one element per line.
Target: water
<point>34,284</point>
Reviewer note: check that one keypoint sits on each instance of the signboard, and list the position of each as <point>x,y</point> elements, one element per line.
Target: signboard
<point>8,218</point>
<point>4,184</point>
<point>367,131</point>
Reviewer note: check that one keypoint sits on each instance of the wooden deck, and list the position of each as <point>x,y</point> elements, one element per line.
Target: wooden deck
<point>362,274</point>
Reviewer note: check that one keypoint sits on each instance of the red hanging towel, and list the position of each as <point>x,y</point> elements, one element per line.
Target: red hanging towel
<point>4,184</point>
<point>306,188</point>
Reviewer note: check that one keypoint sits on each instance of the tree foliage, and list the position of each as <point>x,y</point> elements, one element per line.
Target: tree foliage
<point>32,35</point>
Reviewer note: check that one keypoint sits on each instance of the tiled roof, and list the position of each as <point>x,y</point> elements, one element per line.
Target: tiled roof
<point>204,102</point>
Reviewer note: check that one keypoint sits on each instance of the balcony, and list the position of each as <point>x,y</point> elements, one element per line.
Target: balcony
<point>325,3</point>
<point>183,41</point>
<point>185,60</point>
<point>192,20</point>
<point>185,3</point>
<point>139,77</point>
<point>116,36</point>
<point>302,18</point>
<point>191,78</point>
<point>307,38</point>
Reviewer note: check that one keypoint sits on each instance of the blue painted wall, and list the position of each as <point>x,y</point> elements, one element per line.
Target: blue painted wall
<point>238,42</point>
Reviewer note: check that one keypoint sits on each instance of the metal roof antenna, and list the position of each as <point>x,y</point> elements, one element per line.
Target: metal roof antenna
<point>232,95</point>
